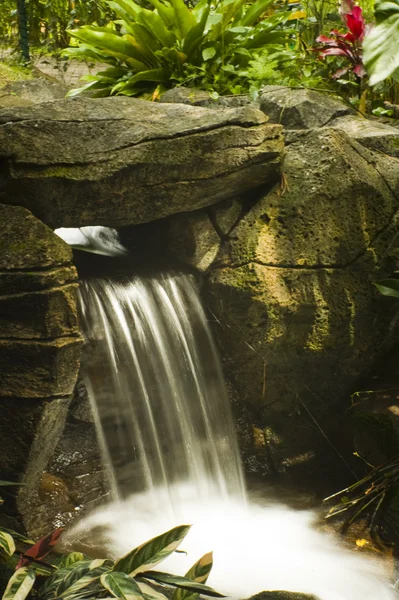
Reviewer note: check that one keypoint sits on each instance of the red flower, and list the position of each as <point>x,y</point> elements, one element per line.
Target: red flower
<point>346,44</point>
<point>355,23</point>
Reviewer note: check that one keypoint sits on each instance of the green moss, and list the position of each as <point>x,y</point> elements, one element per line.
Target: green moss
<point>9,73</point>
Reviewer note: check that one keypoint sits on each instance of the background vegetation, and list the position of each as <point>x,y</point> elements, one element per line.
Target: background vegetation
<point>223,46</point>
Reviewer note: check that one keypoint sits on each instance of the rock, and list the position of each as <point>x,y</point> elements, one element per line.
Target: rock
<point>300,109</point>
<point>292,297</point>
<point>192,239</point>
<point>142,161</point>
<point>26,243</point>
<point>15,282</point>
<point>371,134</point>
<point>27,93</point>
<point>332,205</point>
<point>226,215</point>
<point>43,314</point>
<point>40,348</point>
<point>39,369</point>
<point>29,432</point>
<point>183,95</point>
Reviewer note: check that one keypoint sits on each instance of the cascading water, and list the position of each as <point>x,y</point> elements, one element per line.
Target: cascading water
<point>155,383</point>
<point>157,390</point>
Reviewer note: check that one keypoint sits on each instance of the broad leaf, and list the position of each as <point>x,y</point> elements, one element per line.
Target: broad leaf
<point>114,44</point>
<point>79,571</point>
<point>208,53</point>
<point>257,9</point>
<point>49,589</point>
<point>181,582</point>
<point>150,593</point>
<point>70,559</point>
<point>183,18</point>
<point>152,552</point>
<point>199,573</point>
<point>41,548</point>
<point>87,586</point>
<point>19,585</point>
<point>121,586</point>
<point>17,536</point>
<point>7,543</point>
<point>388,287</point>
<point>381,44</point>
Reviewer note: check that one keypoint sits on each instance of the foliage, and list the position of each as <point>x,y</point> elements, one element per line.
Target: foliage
<point>209,46</point>
<point>381,45</point>
<point>76,576</point>
<point>367,495</point>
<point>388,287</point>
<point>348,44</point>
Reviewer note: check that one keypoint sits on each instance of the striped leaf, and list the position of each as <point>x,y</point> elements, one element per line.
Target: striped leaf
<point>70,559</point>
<point>20,584</point>
<point>7,543</point>
<point>181,582</point>
<point>121,586</point>
<point>199,573</point>
<point>150,593</point>
<point>152,552</point>
<point>17,536</point>
<point>77,573</point>
<point>49,589</point>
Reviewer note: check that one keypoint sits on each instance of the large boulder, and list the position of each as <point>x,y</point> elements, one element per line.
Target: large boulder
<point>120,161</point>
<point>40,348</point>
<point>27,93</point>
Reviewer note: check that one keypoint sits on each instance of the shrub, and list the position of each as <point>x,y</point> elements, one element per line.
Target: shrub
<point>75,576</point>
<point>209,46</point>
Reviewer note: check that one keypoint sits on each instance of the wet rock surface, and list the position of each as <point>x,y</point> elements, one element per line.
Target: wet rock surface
<point>121,161</point>
<point>27,93</point>
<point>40,348</point>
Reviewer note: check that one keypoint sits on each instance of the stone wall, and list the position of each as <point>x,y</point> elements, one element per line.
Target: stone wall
<point>40,347</point>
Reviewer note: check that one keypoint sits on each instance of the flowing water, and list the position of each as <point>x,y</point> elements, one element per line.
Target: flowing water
<point>164,422</point>
<point>157,390</point>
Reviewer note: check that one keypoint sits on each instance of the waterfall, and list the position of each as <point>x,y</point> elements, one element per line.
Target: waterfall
<point>165,426</point>
<point>157,391</point>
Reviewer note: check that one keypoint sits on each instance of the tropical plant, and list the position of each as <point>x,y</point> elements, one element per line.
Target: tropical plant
<point>366,496</point>
<point>208,46</point>
<point>347,44</point>
<point>381,44</point>
<point>75,576</point>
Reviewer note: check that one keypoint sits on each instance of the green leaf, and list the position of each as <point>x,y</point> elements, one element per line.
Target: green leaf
<point>121,586</point>
<point>388,287</point>
<point>150,593</point>
<point>152,552</point>
<point>199,573</point>
<point>20,584</point>
<point>208,53</point>
<point>256,10</point>
<point>181,582</point>
<point>6,483</point>
<point>381,44</point>
<point>196,33</point>
<point>114,44</point>
<point>165,11</point>
<point>7,543</point>
<point>52,583</point>
<point>183,17</point>
<point>77,575</point>
<point>18,536</point>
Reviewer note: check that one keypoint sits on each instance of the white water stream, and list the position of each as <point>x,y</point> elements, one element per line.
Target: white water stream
<point>165,425</point>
